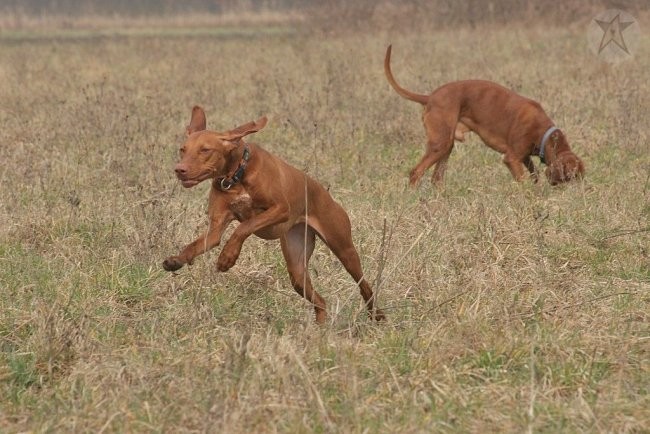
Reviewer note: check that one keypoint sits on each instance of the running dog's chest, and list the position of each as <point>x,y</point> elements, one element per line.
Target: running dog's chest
<point>242,207</point>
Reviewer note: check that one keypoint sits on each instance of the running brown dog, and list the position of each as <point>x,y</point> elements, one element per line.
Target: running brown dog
<point>270,199</point>
<point>507,122</point>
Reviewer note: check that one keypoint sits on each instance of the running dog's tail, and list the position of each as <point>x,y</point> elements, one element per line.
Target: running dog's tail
<point>422,99</point>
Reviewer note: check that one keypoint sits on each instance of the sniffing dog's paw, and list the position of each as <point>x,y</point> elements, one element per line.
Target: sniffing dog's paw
<point>172,263</point>
<point>378,315</point>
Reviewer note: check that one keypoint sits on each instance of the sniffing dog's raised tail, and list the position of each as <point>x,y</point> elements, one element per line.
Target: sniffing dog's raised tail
<point>422,99</point>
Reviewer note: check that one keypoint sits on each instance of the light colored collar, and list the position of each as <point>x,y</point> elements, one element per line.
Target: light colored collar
<point>542,145</point>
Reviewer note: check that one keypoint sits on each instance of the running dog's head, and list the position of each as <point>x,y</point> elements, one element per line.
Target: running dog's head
<point>208,154</point>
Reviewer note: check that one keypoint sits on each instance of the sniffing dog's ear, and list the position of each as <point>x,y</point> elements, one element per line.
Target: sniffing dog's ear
<point>198,122</point>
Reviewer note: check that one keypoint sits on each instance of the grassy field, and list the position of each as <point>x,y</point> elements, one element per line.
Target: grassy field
<point>512,307</point>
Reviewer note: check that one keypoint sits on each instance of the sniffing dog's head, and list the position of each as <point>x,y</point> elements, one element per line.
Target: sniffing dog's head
<point>208,154</point>
<point>566,167</point>
<point>563,165</point>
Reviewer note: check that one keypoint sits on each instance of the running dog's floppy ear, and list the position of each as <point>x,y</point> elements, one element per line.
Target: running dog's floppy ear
<point>246,129</point>
<point>197,123</point>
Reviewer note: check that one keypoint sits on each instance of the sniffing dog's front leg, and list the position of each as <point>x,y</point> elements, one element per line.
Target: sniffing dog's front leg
<point>528,162</point>
<point>515,164</point>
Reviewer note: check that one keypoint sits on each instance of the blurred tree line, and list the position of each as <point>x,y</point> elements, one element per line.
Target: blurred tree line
<point>355,14</point>
<point>142,7</point>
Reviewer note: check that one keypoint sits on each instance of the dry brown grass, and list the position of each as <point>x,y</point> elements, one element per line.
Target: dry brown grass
<point>513,307</point>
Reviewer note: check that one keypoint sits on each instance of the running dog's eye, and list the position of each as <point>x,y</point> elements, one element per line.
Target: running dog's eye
<point>181,151</point>
<point>204,150</point>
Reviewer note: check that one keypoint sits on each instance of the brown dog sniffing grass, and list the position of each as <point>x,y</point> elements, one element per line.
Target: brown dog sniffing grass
<point>507,122</point>
<point>270,199</point>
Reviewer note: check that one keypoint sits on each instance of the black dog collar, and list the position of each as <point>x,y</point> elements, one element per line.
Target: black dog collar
<point>226,183</point>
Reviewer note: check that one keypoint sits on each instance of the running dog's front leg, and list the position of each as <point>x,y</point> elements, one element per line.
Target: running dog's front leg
<point>232,249</point>
<point>220,217</point>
